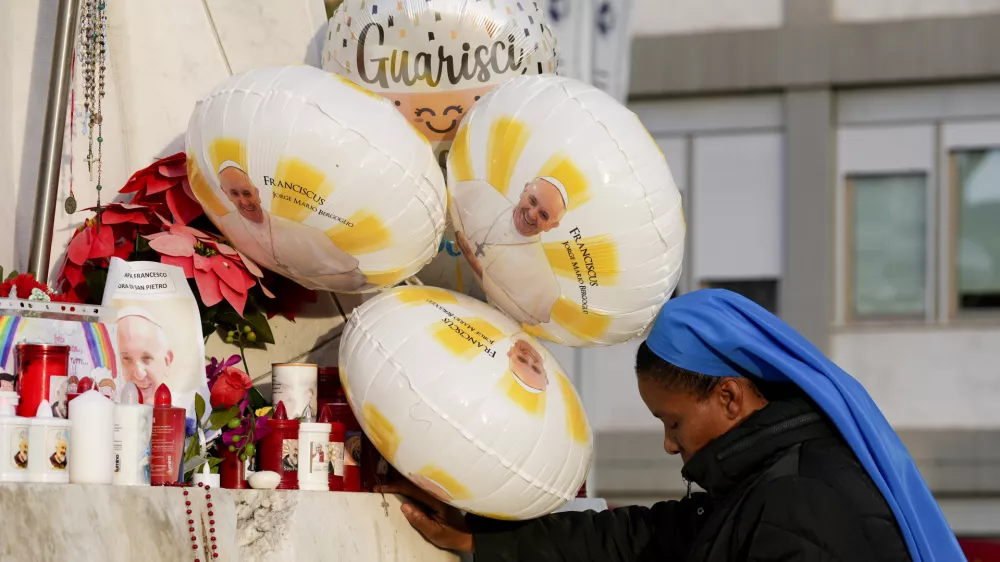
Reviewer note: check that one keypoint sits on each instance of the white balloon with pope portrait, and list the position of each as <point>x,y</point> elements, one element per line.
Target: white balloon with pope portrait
<point>464,403</point>
<point>565,208</point>
<point>316,179</point>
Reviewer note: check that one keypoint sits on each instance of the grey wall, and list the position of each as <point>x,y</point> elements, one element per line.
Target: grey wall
<point>957,462</point>
<point>816,54</point>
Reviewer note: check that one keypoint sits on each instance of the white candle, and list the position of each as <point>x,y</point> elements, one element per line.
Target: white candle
<point>133,438</point>
<point>48,447</point>
<point>13,445</point>
<point>295,384</point>
<point>92,436</point>
<point>206,477</point>
<point>314,446</point>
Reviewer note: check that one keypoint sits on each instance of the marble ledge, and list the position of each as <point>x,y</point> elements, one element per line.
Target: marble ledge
<point>75,523</point>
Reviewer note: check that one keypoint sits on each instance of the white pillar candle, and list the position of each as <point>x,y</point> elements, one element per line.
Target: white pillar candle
<point>206,477</point>
<point>48,447</point>
<point>92,436</point>
<point>133,439</point>
<point>314,448</point>
<point>295,384</point>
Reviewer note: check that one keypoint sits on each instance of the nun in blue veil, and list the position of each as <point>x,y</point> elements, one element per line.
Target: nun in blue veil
<point>796,461</point>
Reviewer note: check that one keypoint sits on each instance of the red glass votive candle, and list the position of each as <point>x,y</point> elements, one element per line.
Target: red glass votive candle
<point>40,370</point>
<point>279,450</point>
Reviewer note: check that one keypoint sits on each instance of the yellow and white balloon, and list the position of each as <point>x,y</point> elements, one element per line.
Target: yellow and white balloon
<point>464,403</point>
<point>316,179</point>
<point>566,209</point>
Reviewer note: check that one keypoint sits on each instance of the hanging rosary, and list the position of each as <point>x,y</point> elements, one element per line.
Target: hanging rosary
<point>206,549</point>
<point>93,43</point>
<point>71,200</point>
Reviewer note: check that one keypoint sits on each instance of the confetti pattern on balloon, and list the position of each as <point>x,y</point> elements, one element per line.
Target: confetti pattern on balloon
<point>435,58</point>
<point>464,403</point>
<point>316,179</point>
<point>566,210</point>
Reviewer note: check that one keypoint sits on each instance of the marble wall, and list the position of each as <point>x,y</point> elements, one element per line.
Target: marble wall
<point>77,523</point>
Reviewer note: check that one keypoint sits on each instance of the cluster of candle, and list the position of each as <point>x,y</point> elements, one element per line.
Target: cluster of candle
<point>126,444</point>
<point>316,454</point>
<point>34,449</point>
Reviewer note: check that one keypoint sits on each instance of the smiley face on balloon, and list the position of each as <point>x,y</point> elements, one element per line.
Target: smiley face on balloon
<point>436,114</point>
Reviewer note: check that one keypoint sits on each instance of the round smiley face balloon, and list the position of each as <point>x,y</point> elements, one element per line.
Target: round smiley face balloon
<point>435,58</point>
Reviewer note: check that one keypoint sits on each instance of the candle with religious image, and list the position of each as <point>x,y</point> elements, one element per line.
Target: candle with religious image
<point>13,445</point>
<point>279,450</point>
<point>314,450</point>
<point>335,450</point>
<point>48,447</point>
<point>295,384</point>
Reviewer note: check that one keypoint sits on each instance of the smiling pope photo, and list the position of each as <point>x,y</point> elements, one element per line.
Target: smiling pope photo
<point>502,241</point>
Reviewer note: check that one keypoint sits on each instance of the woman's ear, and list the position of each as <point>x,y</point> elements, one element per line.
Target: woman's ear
<point>731,395</point>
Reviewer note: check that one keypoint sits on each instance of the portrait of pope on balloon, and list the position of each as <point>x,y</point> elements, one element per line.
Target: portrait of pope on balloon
<point>502,241</point>
<point>279,244</point>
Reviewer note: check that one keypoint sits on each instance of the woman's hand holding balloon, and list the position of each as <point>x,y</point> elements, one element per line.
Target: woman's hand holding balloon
<point>441,524</point>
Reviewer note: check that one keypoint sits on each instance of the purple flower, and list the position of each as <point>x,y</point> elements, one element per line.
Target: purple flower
<point>242,430</point>
<point>261,429</point>
<point>214,368</point>
<point>190,427</point>
<point>227,437</point>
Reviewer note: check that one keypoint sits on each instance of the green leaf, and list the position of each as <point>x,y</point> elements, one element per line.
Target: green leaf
<point>12,275</point>
<point>96,279</point>
<point>142,245</point>
<point>191,465</point>
<point>258,321</point>
<point>211,313</point>
<point>192,448</point>
<point>199,407</point>
<point>257,400</point>
<point>218,420</point>
<point>1,272</point>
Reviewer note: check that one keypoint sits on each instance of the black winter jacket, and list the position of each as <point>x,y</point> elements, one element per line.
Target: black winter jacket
<point>782,486</point>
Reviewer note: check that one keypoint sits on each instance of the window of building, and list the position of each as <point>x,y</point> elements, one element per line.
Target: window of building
<point>761,291</point>
<point>887,252</point>
<point>977,229</point>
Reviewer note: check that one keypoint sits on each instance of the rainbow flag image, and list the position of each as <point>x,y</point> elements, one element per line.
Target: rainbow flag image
<point>102,353</point>
<point>8,335</point>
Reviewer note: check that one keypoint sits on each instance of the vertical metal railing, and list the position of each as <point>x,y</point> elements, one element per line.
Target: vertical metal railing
<point>60,84</point>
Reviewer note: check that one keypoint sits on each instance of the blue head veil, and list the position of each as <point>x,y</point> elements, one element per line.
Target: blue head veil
<point>722,334</point>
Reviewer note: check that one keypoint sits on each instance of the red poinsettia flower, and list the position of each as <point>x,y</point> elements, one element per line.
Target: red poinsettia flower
<point>165,184</point>
<point>90,243</point>
<point>125,213</point>
<point>219,271</point>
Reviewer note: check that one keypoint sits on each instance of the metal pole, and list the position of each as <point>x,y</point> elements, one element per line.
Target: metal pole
<point>52,138</point>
